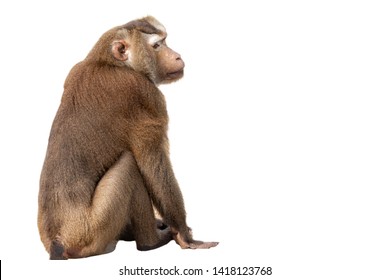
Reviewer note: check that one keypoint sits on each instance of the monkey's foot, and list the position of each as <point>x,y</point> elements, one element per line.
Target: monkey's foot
<point>160,224</point>
<point>165,236</point>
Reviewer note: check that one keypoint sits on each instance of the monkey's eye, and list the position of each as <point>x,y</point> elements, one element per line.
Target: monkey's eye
<point>156,45</point>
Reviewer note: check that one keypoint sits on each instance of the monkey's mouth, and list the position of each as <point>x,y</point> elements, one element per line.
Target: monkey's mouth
<point>175,75</point>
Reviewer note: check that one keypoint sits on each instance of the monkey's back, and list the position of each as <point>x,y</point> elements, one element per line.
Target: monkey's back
<point>99,116</point>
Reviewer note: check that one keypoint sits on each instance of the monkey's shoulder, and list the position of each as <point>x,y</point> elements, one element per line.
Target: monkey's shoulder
<point>98,93</point>
<point>109,80</point>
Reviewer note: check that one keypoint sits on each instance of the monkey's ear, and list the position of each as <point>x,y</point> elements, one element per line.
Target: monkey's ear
<point>120,50</point>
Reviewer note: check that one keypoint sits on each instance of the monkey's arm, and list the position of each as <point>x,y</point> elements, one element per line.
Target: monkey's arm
<point>164,190</point>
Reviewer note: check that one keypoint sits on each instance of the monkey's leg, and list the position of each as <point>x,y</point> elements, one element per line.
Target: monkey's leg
<point>119,195</point>
<point>148,232</point>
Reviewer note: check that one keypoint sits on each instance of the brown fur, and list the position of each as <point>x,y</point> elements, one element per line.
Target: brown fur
<point>107,158</point>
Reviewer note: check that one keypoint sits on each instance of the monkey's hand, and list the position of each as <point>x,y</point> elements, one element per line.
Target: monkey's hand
<point>185,240</point>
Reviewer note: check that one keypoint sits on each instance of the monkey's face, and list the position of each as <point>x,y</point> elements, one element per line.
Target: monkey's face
<point>143,48</point>
<point>169,64</point>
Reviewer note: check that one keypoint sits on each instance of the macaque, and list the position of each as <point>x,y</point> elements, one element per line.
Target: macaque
<point>107,163</point>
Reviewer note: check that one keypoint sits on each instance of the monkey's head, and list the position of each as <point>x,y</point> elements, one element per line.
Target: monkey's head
<point>141,46</point>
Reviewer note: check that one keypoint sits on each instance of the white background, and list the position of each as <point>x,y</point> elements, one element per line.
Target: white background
<point>280,132</point>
